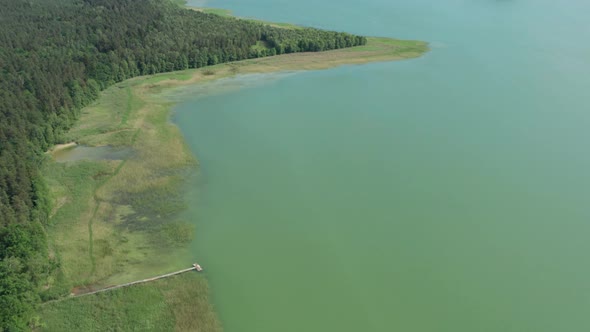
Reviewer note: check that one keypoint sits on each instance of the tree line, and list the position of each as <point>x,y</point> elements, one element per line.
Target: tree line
<point>55,58</point>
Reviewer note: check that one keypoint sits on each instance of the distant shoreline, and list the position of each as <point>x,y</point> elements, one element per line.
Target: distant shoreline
<point>377,49</point>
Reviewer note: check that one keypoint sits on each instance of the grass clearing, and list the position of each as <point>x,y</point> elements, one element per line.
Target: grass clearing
<point>108,211</point>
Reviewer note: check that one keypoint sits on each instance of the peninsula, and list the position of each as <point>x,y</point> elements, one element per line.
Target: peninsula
<point>113,220</point>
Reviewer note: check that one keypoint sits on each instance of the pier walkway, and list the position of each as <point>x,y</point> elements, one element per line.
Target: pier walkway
<point>137,282</point>
<point>195,267</point>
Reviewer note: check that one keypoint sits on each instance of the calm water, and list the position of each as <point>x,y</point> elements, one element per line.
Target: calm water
<point>449,193</point>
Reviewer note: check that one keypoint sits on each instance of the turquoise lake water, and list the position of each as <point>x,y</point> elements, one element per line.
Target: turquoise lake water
<point>449,193</point>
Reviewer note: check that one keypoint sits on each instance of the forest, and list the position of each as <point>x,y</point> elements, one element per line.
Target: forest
<point>55,58</point>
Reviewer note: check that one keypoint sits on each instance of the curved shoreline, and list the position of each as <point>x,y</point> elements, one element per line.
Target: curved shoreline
<point>136,114</point>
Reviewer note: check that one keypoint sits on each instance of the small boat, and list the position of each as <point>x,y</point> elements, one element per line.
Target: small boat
<point>197,267</point>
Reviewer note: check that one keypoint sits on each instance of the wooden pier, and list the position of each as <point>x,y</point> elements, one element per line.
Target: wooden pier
<point>195,267</point>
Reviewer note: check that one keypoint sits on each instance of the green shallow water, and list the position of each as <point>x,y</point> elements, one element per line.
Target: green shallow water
<point>447,193</point>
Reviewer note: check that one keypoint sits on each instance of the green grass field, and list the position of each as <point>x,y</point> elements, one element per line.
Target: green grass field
<point>116,221</point>
<point>179,303</point>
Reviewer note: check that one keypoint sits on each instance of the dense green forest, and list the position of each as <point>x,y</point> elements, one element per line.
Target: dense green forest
<point>55,58</point>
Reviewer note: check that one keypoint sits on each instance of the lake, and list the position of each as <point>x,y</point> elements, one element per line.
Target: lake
<point>447,193</point>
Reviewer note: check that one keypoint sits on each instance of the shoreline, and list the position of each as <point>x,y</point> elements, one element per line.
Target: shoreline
<point>111,224</point>
<point>377,49</point>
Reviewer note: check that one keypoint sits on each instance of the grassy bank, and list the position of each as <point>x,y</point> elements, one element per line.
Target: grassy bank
<point>116,221</point>
<point>180,303</point>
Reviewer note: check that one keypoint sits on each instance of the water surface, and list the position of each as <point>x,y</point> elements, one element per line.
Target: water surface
<point>448,193</point>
